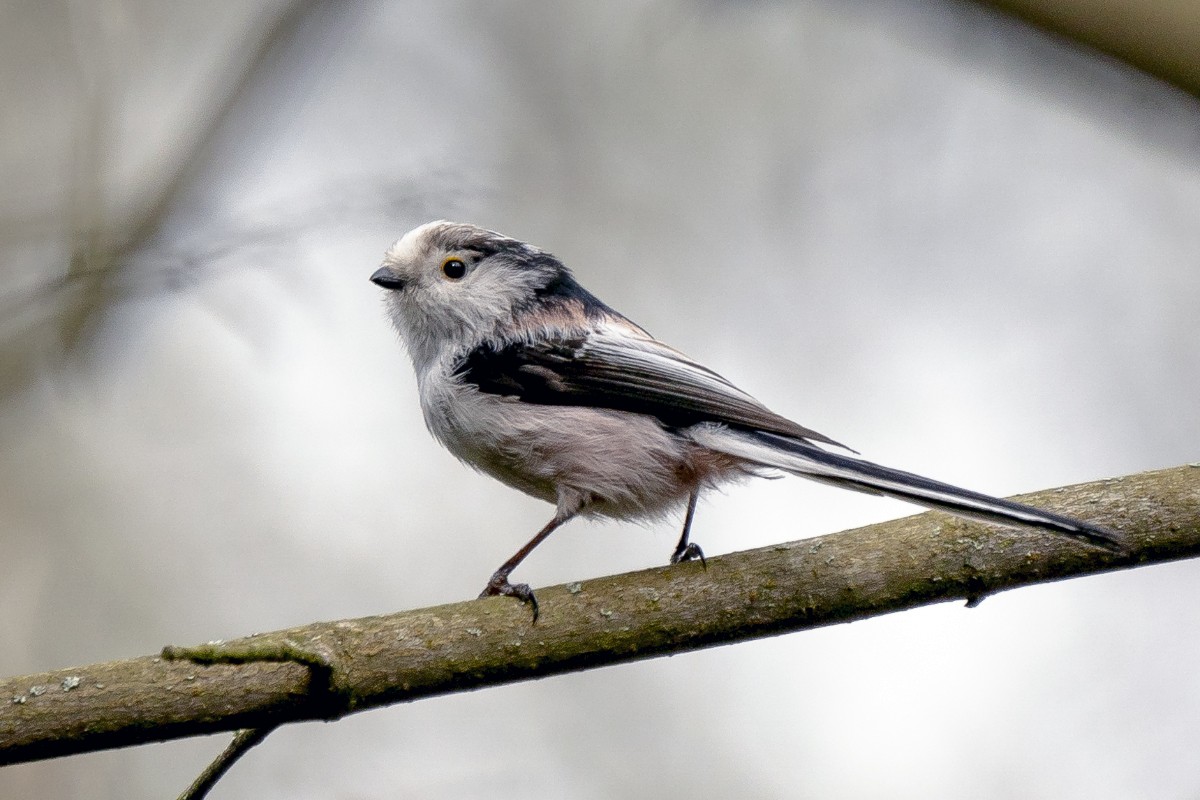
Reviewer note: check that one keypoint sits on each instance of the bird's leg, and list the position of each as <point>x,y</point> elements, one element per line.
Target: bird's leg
<point>685,550</point>
<point>499,585</point>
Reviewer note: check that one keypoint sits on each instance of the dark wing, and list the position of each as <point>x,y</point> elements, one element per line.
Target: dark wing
<point>624,371</point>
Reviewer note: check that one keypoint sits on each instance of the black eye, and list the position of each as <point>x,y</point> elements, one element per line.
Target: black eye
<point>454,268</point>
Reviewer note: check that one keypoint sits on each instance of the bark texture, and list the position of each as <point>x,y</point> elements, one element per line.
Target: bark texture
<point>328,669</point>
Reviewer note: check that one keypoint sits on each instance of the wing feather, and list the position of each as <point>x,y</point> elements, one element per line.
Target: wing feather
<point>608,368</point>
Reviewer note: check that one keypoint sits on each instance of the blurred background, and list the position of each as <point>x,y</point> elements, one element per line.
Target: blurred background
<point>964,246</point>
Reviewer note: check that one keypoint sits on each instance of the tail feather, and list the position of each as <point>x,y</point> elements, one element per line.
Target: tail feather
<point>809,461</point>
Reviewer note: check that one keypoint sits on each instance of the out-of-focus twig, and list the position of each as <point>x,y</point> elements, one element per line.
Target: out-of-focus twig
<point>1161,37</point>
<point>52,317</point>
<point>99,253</point>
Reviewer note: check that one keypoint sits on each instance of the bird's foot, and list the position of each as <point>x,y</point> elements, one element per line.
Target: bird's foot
<point>499,585</point>
<point>688,552</point>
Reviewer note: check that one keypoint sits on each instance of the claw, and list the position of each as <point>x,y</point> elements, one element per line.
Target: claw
<point>685,550</point>
<point>499,586</point>
<point>689,552</point>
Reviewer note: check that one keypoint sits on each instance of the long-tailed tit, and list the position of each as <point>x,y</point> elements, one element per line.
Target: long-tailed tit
<point>528,377</point>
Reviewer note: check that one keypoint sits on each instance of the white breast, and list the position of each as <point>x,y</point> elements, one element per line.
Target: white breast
<point>596,461</point>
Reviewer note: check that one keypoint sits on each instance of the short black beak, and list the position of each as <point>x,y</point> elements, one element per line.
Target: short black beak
<point>387,278</point>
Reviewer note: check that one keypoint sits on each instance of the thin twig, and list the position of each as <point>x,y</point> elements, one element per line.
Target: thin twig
<point>241,744</point>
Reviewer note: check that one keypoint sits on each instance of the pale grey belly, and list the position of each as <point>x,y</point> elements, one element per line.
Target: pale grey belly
<point>595,461</point>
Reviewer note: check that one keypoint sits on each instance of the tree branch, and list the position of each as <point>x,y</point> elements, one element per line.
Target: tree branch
<point>1161,37</point>
<point>326,670</point>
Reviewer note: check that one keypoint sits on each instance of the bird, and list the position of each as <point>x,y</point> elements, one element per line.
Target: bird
<point>526,376</point>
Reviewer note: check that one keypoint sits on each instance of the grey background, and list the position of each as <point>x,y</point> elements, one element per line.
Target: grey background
<point>959,245</point>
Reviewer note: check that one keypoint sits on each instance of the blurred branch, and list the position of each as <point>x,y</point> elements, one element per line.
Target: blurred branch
<point>100,254</point>
<point>1161,37</point>
<point>327,670</point>
<point>104,235</point>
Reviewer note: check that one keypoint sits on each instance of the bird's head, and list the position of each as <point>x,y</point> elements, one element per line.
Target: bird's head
<point>451,285</point>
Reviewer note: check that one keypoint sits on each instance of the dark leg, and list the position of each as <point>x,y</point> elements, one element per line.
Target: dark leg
<point>685,550</point>
<point>499,585</point>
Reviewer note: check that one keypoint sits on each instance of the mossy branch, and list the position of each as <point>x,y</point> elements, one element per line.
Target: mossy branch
<point>326,670</point>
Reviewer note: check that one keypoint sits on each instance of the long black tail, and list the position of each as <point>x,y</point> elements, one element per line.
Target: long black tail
<point>809,461</point>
